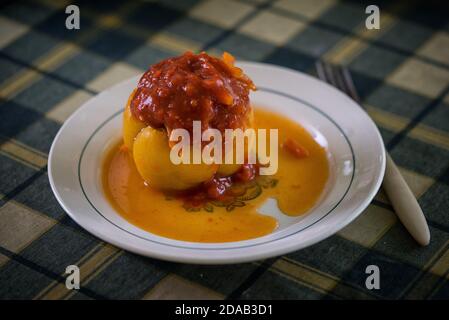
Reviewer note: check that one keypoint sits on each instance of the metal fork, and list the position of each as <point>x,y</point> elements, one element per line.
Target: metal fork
<point>401,197</point>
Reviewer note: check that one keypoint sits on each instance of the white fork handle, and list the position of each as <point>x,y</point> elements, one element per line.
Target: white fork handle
<point>405,204</point>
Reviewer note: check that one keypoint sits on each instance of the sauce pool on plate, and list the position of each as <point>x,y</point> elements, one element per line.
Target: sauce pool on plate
<point>302,174</point>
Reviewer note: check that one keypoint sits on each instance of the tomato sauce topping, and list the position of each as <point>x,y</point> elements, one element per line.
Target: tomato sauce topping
<point>176,91</point>
<point>218,188</point>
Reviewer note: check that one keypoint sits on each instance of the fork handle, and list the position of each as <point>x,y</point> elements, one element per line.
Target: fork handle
<point>405,204</point>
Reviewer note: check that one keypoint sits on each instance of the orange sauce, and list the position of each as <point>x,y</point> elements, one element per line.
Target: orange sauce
<point>296,186</point>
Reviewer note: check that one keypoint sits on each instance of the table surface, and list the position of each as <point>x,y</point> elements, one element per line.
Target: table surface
<point>46,71</point>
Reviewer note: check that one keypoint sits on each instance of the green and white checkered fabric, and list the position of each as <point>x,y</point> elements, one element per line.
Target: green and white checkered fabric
<point>46,71</point>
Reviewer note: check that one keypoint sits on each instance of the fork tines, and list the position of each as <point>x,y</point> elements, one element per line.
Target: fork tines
<point>337,76</point>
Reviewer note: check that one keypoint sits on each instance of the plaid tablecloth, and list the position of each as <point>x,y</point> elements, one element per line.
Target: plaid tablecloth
<point>46,71</point>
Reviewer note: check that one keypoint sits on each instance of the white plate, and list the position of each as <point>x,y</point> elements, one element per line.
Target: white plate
<point>356,156</point>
